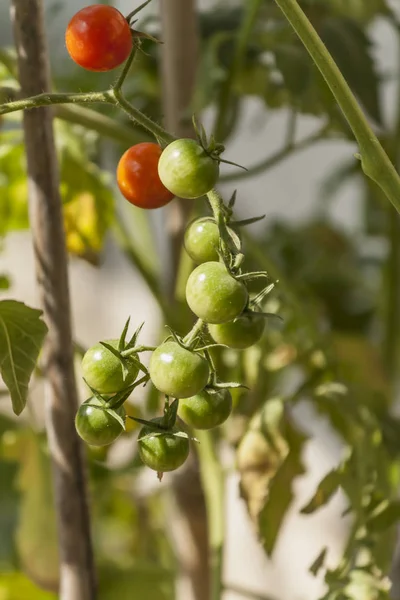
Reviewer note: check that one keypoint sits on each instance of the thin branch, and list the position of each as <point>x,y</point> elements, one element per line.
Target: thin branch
<point>213,481</point>
<point>47,99</point>
<point>274,159</point>
<point>77,575</point>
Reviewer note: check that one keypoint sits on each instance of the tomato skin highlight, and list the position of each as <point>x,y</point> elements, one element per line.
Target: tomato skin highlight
<point>187,170</point>
<point>103,371</point>
<point>165,452</point>
<point>95,426</point>
<point>178,372</point>
<point>243,332</point>
<point>98,38</point>
<point>214,295</point>
<point>138,179</point>
<point>206,410</point>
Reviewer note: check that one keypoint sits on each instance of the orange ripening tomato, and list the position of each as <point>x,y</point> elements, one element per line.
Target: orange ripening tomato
<point>99,38</point>
<point>138,179</point>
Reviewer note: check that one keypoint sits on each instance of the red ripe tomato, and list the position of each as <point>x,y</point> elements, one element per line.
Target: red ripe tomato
<point>98,38</point>
<point>138,179</point>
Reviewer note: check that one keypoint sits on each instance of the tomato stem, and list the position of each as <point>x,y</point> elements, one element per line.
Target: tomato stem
<point>193,334</point>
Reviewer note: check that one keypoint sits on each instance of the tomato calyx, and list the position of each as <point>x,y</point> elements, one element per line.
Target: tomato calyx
<point>128,351</point>
<point>210,146</point>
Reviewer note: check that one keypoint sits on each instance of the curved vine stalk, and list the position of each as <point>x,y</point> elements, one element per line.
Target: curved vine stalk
<point>374,160</point>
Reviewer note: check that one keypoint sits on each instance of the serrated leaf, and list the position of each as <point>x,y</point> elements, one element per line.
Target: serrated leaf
<point>280,493</point>
<point>351,50</point>
<point>22,332</point>
<point>268,460</point>
<point>324,492</point>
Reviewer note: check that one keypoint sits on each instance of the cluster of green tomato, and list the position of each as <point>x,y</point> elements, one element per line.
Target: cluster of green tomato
<point>100,38</point>
<point>180,368</point>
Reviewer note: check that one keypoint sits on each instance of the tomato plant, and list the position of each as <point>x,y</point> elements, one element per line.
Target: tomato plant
<point>96,424</point>
<point>207,409</point>
<point>164,449</point>
<point>337,311</point>
<point>177,371</point>
<point>214,295</point>
<point>105,372</point>
<point>245,331</point>
<point>187,170</point>
<point>98,38</point>
<point>138,179</point>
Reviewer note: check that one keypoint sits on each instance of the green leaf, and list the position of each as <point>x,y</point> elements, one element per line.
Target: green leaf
<point>36,535</point>
<point>4,282</point>
<point>16,586</point>
<point>294,64</point>
<point>351,50</point>
<point>88,206</point>
<point>386,515</point>
<point>144,580</point>
<point>13,187</point>
<point>318,562</point>
<point>324,492</point>
<point>22,332</point>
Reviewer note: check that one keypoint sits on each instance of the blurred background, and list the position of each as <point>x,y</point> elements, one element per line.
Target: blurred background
<point>323,384</point>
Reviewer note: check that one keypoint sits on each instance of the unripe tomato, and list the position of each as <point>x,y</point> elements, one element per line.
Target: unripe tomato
<point>95,425</point>
<point>243,332</point>
<point>162,451</point>
<point>207,409</point>
<point>98,38</point>
<point>103,370</point>
<point>187,170</point>
<point>178,372</point>
<point>214,295</point>
<point>138,179</point>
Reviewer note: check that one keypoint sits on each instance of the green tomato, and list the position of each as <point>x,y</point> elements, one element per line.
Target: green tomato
<point>202,240</point>
<point>186,170</point>
<point>207,409</point>
<point>103,370</point>
<point>178,372</point>
<point>96,426</point>
<point>245,331</point>
<point>162,451</point>
<point>214,295</point>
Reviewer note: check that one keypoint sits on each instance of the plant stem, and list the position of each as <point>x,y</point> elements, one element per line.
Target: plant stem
<point>116,97</point>
<point>197,328</point>
<point>77,574</point>
<point>47,99</point>
<point>374,160</point>
<point>218,208</point>
<point>276,158</point>
<point>213,481</point>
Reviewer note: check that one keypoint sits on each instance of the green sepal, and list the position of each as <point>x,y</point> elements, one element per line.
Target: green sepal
<point>245,222</point>
<point>170,414</point>
<point>134,338</point>
<point>121,343</point>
